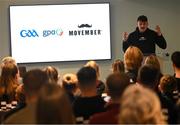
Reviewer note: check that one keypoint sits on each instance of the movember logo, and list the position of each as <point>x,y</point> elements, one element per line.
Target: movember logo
<point>84,25</point>
<point>85,32</point>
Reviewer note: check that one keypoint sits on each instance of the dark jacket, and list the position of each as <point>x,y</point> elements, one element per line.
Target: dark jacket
<point>145,41</point>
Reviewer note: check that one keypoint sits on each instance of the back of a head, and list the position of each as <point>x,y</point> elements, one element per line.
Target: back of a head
<point>33,81</point>
<point>53,106</point>
<point>148,76</point>
<point>69,82</point>
<point>116,84</point>
<point>168,84</point>
<point>7,60</point>
<point>140,105</point>
<point>175,57</point>
<point>133,58</point>
<point>153,60</point>
<point>9,71</point>
<point>142,18</point>
<point>86,77</point>
<point>52,73</point>
<point>118,66</point>
<point>94,65</point>
<point>8,81</point>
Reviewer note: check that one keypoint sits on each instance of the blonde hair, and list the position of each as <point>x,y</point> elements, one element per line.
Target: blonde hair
<point>7,60</point>
<point>140,105</point>
<point>95,66</point>
<point>133,58</point>
<point>153,60</point>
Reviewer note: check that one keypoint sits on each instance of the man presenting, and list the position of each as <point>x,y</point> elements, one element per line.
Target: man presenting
<point>144,38</point>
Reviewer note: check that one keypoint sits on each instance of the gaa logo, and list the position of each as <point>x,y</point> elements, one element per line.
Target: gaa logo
<point>57,32</point>
<point>29,33</point>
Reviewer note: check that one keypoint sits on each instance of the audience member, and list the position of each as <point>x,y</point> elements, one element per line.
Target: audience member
<point>70,84</point>
<point>148,76</point>
<point>175,57</point>
<point>52,74</point>
<point>116,84</point>
<point>7,60</point>
<point>168,87</point>
<point>133,58</point>
<point>100,84</point>
<point>140,105</point>
<point>153,60</point>
<point>118,66</point>
<point>53,106</point>
<point>89,102</point>
<point>8,82</point>
<point>33,81</point>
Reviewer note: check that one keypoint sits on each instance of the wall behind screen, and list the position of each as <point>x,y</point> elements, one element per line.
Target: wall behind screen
<point>123,18</point>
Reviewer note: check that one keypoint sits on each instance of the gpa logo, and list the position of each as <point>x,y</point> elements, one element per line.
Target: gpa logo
<point>29,33</point>
<point>57,32</point>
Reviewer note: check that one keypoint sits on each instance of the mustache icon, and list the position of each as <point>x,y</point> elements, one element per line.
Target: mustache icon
<point>84,25</point>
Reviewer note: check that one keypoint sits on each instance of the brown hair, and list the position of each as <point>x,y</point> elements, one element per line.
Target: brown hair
<point>133,58</point>
<point>168,84</point>
<point>8,80</point>
<point>153,60</point>
<point>116,84</point>
<point>52,74</point>
<point>118,66</point>
<point>53,106</point>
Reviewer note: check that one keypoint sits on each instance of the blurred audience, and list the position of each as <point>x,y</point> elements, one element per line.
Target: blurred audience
<point>53,106</point>
<point>116,84</point>
<point>33,81</point>
<point>140,105</point>
<point>52,74</point>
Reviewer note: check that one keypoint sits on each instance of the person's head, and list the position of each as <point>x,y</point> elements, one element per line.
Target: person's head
<point>9,80</point>
<point>175,58</point>
<point>133,58</point>
<point>87,78</point>
<point>140,105</point>
<point>118,66</point>
<point>69,82</point>
<point>116,84</point>
<point>7,60</point>
<point>52,74</point>
<point>9,71</point>
<point>94,65</point>
<point>168,84</point>
<point>153,60</point>
<point>142,23</point>
<point>53,106</point>
<point>148,76</point>
<point>33,81</point>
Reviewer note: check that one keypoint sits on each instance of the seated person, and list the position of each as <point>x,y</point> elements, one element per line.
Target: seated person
<point>100,84</point>
<point>89,102</point>
<point>116,84</point>
<point>70,84</point>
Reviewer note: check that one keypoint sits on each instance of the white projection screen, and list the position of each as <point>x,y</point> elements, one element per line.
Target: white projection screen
<point>55,33</point>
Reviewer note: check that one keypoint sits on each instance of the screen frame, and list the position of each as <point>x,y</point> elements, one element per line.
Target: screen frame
<point>10,49</point>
